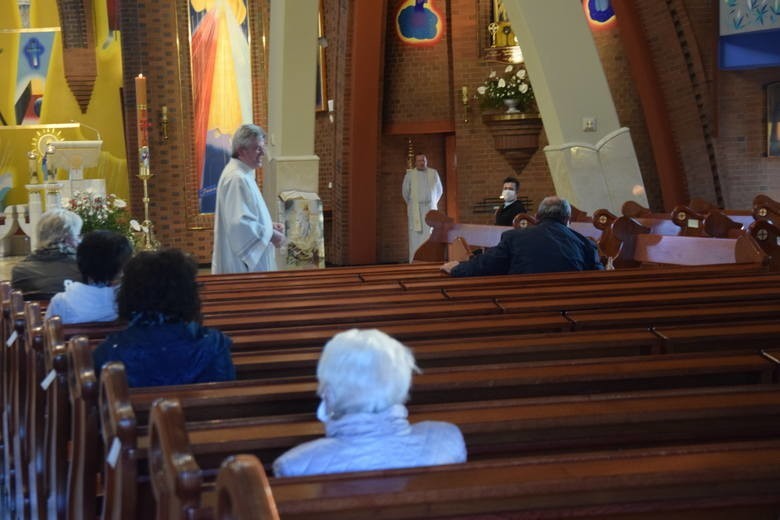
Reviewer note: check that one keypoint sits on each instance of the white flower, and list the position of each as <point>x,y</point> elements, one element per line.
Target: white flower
<point>134,225</point>
<point>508,68</point>
<point>501,83</point>
<point>521,73</point>
<point>492,74</point>
<point>481,90</point>
<point>119,203</point>
<point>523,87</point>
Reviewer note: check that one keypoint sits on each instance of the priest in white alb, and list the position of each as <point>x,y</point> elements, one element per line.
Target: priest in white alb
<point>245,237</point>
<point>422,190</point>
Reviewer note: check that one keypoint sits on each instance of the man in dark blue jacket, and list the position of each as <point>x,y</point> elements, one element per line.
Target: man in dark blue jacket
<point>548,247</point>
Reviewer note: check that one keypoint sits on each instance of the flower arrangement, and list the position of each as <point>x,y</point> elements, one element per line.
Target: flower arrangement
<point>98,212</point>
<point>512,84</point>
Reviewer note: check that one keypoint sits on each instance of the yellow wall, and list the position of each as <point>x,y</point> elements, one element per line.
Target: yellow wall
<point>60,107</point>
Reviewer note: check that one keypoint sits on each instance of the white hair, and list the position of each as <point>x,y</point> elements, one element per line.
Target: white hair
<point>244,136</point>
<point>364,371</point>
<point>59,226</point>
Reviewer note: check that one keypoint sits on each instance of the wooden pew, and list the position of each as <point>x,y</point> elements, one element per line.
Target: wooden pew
<point>84,433</point>
<point>454,241</point>
<point>5,327</point>
<point>17,410</point>
<point>36,409</point>
<point>56,434</point>
<point>632,244</point>
<point>583,344</point>
<point>359,271</point>
<point>351,306</point>
<point>176,478</point>
<point>698,210</point>
<point>727,481</point>
<point>231,398</point>
<point>767,235</point>
<point>242,490</point>
<point>213,404</point>
<point>765,208</point>
<point>437,282</point>
<point>468,383</point>
<point>118,426</point>
<point>696,480</point>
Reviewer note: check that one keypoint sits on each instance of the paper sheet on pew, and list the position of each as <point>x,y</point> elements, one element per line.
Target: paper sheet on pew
<point>113,453</point>
<point>301,214</point>
<point>11,339</point>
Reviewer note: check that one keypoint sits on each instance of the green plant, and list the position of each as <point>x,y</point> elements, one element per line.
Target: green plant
<point>512,84</point>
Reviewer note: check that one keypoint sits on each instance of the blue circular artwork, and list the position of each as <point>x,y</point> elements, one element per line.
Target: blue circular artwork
<point>418,24</point>
<point>600,10</point>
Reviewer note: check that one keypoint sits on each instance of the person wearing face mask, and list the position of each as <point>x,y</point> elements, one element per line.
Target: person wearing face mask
<point>244,234</point>
<point>364,377</point>
<point>512,207</point>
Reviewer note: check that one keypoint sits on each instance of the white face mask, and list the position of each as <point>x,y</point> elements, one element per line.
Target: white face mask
<point>508,195</point>
<point>322,412</point>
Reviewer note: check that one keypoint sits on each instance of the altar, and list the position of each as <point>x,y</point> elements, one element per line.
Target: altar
<point>73,156</point>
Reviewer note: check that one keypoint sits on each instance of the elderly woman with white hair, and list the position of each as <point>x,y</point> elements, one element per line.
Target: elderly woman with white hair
<point>43,273</point>
<point>364,379</point>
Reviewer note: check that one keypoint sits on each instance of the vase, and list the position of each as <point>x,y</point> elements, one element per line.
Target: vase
<point>511,105</point>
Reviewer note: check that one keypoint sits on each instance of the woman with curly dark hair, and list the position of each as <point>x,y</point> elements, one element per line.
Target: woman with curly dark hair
<point>164,343</point>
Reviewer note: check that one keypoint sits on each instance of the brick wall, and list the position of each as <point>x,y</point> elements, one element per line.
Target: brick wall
<point>481,169</point>
<point>152,33</point>
<point>718,117</point>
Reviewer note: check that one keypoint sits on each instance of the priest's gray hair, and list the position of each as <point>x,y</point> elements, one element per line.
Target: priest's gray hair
<point>364,371</point>
<point>554,208</point>
<point>244,136</point>
<point>59,226</point>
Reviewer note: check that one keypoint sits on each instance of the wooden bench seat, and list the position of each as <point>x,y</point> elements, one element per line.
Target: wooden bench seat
<point>536,347</point>
<point>631,244</point>
<point>434,294</point>
<point>668,272</point>
<point>659,417</point>
<point>720,481</point>
<point>257,292</point>
<point>671,315</point>
<point>358,270</point>
<point>507,324</point>
<point>491,428</point>
<point>455,384</point>
<point>715,482</point>
<point>409,323</point>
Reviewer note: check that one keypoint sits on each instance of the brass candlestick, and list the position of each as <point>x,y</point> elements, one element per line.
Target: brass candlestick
<point>148,243</point>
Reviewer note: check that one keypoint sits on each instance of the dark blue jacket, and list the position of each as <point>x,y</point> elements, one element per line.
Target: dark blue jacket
<point>547,247</point>
<point>168,354</point>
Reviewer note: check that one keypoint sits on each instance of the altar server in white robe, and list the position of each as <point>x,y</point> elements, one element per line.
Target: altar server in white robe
<point>421,190</point>
<point>245,237</point>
